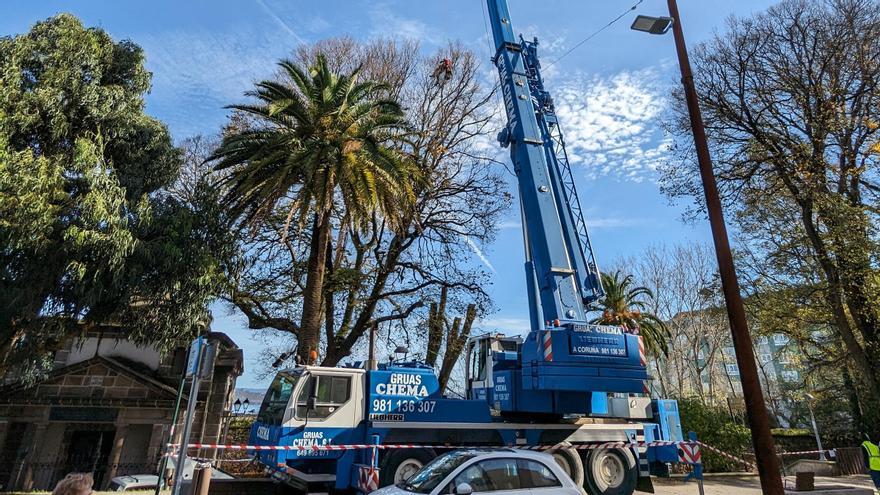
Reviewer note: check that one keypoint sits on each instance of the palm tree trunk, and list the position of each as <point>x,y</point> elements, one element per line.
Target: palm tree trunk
<point>310,326</point>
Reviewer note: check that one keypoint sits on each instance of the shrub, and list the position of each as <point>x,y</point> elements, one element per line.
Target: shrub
<point>715,427</point>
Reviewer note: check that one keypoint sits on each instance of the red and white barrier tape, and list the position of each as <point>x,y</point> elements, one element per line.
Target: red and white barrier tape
<point>200,459</point>
<point>728,456</point>
<point>830,452</point>
<point>332,447</point>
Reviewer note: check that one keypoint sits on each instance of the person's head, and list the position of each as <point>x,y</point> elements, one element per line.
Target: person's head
<point>75,484</point>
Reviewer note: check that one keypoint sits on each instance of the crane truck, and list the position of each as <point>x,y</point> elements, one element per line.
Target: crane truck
<point>567,383</point>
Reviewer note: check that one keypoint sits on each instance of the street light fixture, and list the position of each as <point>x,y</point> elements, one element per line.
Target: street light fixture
<point>652,25</point>
<point>810,400</point>
<point>236,406</point>
<point>765,451</point>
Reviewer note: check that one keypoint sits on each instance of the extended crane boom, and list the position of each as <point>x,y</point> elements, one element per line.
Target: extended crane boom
<point>560,267</point>
<point>563,365</point>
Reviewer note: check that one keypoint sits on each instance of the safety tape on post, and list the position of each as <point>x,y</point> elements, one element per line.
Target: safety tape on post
<point>830,452</point>
<point>218,461</point>
<point>332,447</point>
<point>607,445</point>
<point>744,462</point>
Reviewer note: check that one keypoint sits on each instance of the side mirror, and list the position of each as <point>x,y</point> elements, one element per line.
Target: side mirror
<point>464,489</point>
<point>313,394</point>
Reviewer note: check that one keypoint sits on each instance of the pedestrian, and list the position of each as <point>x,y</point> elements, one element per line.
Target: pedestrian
<point>871,455</point>
<point>75,484</point>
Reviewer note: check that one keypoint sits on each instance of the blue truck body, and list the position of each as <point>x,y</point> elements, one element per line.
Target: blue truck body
<point>401,404</point>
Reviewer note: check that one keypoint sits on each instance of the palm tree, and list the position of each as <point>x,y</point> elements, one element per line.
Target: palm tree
<point>625,305</point>
<point>321,142</point>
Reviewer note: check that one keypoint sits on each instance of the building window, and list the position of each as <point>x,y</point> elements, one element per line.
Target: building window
<point>762,340</point>
<point>780,339</point>
<point>766,358</point>
<point>732,369</point>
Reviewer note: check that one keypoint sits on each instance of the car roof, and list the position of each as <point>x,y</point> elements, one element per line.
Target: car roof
<point>505,452</point>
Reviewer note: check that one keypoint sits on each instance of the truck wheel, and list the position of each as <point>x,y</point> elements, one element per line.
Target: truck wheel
<point>570,462</point>
<point>399,465</point>
<point>611,472</point>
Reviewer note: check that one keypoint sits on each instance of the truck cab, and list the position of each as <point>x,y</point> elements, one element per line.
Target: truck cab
<point>310,406</point>
<point>484,355</point>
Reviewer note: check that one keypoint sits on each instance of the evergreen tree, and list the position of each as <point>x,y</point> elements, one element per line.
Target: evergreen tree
<point>88,236</point>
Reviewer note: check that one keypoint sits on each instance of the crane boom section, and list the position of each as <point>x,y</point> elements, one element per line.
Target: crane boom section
<point>557,242</point>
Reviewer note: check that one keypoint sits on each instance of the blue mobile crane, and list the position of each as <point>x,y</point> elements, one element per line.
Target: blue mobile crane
<point>566,383</point>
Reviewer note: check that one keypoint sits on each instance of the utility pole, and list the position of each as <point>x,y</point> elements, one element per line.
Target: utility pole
<point>765,452</point>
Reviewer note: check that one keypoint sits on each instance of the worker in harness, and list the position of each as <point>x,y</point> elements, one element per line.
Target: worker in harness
<point>871,455</point>
<point>443,70</point>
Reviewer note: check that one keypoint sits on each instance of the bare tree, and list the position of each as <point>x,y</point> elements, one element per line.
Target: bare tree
<point>687,293</point>
<point>454,336</point>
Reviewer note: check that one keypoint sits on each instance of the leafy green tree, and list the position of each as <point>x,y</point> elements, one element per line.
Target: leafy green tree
<point>626,305</point>
<point>320,139</point>
<point>87,235</point>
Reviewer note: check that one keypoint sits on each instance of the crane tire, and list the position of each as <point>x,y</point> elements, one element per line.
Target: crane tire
<point>400,464</point>
<point>610,472</point>
<point>570,461</point>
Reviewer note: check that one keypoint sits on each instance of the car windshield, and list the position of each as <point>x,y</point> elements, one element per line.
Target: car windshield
<point>427,478</point>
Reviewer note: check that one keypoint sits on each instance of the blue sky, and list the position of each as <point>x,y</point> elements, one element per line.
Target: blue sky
<point>611,93</point>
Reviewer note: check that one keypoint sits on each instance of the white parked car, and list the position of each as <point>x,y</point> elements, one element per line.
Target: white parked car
<point>496,471</point>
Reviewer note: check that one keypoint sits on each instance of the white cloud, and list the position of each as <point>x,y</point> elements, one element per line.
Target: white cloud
<point>548,44</point>
<point>314,23</point>
<point>613,222</point>
<point>611,123</point>
<point>510,224</point>
<point>388,23</point>
<point>197,72</point>
<point>506,325</point>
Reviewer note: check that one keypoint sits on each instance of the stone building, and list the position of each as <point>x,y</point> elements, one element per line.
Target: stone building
<point>106,407</point>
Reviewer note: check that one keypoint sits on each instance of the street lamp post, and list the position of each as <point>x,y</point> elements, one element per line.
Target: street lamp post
<point>810,400</point>
<point>765,455</point>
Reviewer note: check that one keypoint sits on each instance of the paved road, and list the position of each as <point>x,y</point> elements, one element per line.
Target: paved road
<point>745,485</point>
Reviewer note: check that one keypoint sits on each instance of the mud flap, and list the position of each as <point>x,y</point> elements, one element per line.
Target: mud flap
<point>645,484</point>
